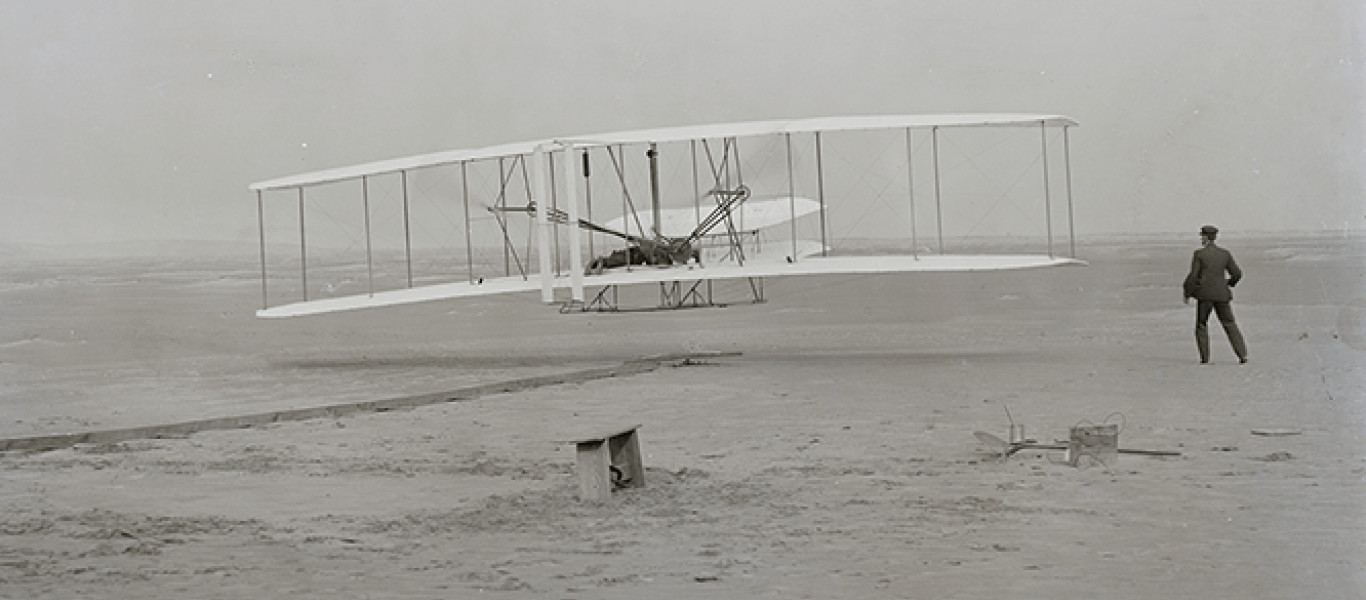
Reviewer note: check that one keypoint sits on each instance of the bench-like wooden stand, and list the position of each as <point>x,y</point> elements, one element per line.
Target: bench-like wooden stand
<point>599,455</point>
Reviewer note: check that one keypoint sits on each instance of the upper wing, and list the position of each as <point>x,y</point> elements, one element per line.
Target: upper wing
<point>773,266</point>
<point>666,134</point>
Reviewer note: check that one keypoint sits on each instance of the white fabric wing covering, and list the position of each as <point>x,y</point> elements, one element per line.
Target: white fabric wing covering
<point>775,266</point>
<point>668,134</point>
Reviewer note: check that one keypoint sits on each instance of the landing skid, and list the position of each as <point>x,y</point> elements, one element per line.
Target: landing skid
<point>604,301</point>
<point>673,295</point>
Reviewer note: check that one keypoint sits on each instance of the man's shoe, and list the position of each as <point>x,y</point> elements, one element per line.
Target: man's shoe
<point>1242,361</point>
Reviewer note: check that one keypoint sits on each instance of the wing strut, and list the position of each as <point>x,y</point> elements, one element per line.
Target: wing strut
<point>571,188</point>
<point>1047,199</point>
<point>543,224</point>
<point>653,155</point>
<point>1067,167</point>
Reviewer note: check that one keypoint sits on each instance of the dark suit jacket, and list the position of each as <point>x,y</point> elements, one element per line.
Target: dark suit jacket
<point>1206,279</point>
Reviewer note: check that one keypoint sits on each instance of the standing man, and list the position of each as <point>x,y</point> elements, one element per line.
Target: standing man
<point>1212,292</point>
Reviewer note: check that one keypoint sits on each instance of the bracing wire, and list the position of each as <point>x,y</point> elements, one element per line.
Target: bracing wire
<point>861,180</point>
<point>626,192</point>
<point>969,160</point>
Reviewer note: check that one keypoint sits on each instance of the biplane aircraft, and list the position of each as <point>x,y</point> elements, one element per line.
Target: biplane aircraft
<point>687,209</point>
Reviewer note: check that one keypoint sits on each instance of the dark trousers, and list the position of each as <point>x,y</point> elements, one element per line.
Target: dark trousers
<point>1225,312</point>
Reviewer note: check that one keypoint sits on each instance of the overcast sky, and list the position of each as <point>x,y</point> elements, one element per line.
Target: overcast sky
<point>146,120</point>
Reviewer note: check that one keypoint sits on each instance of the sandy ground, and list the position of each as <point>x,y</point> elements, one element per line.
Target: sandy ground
<point>834,457</point>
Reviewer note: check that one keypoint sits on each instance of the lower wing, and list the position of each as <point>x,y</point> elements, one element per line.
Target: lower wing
<point>808,265</point>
